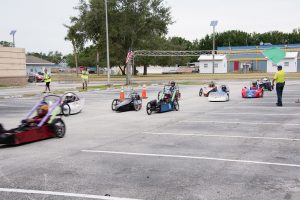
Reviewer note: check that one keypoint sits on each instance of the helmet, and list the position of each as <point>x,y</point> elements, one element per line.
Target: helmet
<point>211,84</point>
<point>44,108</point>
<point>173,83</point>
<point>224,88</point>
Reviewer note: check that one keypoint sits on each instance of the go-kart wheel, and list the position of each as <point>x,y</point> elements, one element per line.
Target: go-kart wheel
<point>65,109</point>
<point>148,109</point>
<point>200,92</point>
<point>114,103</point>
<point>58,127</point>
<point>137,106</point>
<point>176,105</point>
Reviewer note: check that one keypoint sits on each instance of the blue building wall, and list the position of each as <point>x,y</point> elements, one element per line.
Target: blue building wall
<point>259,47</point>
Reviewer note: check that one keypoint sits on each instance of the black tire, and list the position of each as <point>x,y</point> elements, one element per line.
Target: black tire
<point>148,108</point>
<point>58,127</point>
<point>137,106</point>
<point>200,92</point>
<point>114,103</point>
<point>176,105</point>
<point>65,109</point>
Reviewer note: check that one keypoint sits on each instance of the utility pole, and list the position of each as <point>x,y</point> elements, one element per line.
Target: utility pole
<point>213,24</point>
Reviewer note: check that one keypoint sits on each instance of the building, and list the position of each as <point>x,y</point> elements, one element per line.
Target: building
<point>206,62</point>
<point>35,64</point>
<point>12,66</point>
<point>250,58</point>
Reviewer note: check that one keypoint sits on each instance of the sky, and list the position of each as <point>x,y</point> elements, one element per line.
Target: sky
<point>39,23</point>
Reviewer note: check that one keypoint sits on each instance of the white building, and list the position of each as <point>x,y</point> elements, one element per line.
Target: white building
<point>206,62</point>
<point>289,63</point>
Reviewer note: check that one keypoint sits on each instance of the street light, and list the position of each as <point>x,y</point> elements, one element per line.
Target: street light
<point>13,32</point>
<point>107,45</point>
<point>213,24</point>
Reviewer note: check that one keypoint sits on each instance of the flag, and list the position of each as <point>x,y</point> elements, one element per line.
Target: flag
<point>274,54</point>
<point>129,56</point>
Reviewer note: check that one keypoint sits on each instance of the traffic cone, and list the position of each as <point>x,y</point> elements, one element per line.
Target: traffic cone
<point>144,93</point>
<point>122,95</point>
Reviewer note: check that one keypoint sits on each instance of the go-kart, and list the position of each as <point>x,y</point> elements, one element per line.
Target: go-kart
<point>253,91</point>
<point>222,94</point>
<point>132,102</point>
<point>265,83</point>
<point>49,126</point>
<point>71,104</point>
<point>206,90</point>
<point>167,101</point>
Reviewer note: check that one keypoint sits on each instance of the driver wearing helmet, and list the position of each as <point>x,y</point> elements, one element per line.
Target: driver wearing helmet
<point>41,113</point>
<point>173,86</point>
<point>254,85</point>
<point>224,88</point>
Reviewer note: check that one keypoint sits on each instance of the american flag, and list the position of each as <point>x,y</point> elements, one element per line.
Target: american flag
<point>129,55</point>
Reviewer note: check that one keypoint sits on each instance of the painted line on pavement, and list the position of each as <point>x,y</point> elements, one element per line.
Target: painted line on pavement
<point>192,157</point>
<point>65,194</point>
<point>260,107</point>
<point>223,136</point>
<point>250,123</point>
<point>253,113</point>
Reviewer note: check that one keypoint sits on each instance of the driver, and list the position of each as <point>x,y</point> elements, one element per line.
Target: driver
<point>173,86</point>
<point>254,85</point>
<point>41,113</point>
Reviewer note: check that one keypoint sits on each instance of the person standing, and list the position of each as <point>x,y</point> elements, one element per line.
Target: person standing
<point>280,82</point>
<point>47,80</point>
<point>84,78</point>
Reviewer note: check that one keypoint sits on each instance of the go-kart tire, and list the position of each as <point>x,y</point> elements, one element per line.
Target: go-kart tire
<point>65,109</point>
<point>176,105</point>
<point>148,108</point>
<point>200,92</point>
<point>58,127</point>
<point>114,103</point>
<point>137,106</point>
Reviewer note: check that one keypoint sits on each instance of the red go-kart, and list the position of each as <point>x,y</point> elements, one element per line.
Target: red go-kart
<point>253,91</point>
<point>49,126</point>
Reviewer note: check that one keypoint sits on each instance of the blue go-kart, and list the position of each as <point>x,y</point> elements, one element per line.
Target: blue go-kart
<point>167,101</point>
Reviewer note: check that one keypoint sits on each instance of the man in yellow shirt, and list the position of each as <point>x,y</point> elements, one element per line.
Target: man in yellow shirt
<point>47,80</point>
<point>84,78</point>
<point>280,82</point>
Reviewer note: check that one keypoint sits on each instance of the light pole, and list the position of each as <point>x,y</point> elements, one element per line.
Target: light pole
<point>107,45</point>
<point>13,32</point>
<point>213,24</point>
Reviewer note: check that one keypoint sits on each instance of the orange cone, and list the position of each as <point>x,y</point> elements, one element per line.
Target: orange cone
<point>144,93</point>
<point>122,95</point>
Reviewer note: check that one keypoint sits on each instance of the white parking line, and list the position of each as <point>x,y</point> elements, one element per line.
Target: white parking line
<point>249,123</point>
<point>192,157</point>
<point>260,107</point>
<point>253,113</point>
<point>222,136</point>
<point>87,196</point>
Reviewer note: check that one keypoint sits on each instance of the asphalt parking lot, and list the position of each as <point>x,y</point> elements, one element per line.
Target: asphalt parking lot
<point>241,149</point>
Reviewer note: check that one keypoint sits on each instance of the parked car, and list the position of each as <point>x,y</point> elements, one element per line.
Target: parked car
<point>35,77</point>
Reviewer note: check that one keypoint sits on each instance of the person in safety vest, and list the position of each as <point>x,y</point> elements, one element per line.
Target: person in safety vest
<point>47,80</point>
<point>84,78</point>
<point>280,82</point>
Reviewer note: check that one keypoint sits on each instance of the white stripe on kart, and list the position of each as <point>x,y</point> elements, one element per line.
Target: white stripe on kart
<point>250,123</point>
<point>222,136</point>
<point>192,157</point>
<point>87,196</point>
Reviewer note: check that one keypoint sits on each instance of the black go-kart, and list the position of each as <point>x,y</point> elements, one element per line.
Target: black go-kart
<point>132,102</point>
<point>265,83</point>
<point>167,101</point>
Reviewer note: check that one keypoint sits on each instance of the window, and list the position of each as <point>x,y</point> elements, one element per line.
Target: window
<point>205,65</point>
<point>216,65</point>
<point>286,64</point>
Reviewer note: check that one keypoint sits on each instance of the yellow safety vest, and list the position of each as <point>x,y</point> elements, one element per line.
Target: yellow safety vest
<point>85,75</point>
<point>47,78</point>
<point>280,76</point>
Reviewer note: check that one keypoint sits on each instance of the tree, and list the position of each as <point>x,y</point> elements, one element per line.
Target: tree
<point>6,44</point>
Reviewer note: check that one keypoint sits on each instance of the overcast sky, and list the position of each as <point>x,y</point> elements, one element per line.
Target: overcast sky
<point>39,23</point>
